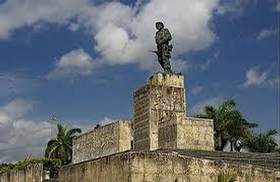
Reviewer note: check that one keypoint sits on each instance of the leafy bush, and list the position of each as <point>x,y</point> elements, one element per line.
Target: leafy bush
<point>51,165</point>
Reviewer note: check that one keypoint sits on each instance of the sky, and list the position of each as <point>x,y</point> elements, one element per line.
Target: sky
<point>80,61</point>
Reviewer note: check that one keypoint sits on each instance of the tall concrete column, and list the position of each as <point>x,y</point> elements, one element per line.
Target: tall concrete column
<point>159,106</point>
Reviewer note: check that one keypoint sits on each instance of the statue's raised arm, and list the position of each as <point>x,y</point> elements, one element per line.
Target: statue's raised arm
<point>163,36</point>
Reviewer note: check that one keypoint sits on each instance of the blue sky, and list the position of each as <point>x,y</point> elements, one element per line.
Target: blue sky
<point>82,60</point>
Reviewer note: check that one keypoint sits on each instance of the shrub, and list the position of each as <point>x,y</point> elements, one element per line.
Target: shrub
<point>51,165</point>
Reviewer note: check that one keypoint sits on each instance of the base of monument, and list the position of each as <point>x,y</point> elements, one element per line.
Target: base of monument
<point>173,165</point>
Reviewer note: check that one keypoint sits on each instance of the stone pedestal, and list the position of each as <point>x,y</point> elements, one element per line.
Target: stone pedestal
<point>158,106</point>
<point>160,120</point>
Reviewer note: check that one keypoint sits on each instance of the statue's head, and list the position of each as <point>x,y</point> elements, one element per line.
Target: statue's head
<point>159,25</point>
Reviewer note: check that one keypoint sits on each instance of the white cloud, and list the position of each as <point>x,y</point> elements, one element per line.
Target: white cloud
<point>20,137</point>
<point>198,107</point>
<point>15,14</point>
<point>72,64</point>
<point>266,33</point>
<point>190,32</point>
<point>131,40</point>
<point>122,34</point>
<point>254,77</point>
<point>16,108</point>
<point>112,43</point>
<point>235,8</point>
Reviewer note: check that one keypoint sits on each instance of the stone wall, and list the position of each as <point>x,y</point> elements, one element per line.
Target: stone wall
<point>105,169</point>
<point>141,126</point>
<point>30,173</point>
<point>105,140</point>
<point>196,133</point>
<point>174,168</point>
<point>161,167</point>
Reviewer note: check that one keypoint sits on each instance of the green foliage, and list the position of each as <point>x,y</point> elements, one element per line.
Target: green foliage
<point>6,167</point>
<point>263,143</point>
<point>48,164</point>
<point>227,176</point>
<point>229,123</point>
<point>61,146</point>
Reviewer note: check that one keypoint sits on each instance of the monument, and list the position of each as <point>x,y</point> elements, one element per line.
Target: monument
<point>161,142</point>
<point>160,120</point>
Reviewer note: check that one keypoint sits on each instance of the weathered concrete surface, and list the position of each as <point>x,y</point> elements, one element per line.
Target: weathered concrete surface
<point>159,166</point>
<point>106,169</point>
<point>196,133</point>
<point>105,140</point>
<point>30,173</point>
<point>160,120</point>
<point>158,107</point>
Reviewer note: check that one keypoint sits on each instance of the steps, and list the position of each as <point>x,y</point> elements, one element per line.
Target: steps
<point>270,160</point>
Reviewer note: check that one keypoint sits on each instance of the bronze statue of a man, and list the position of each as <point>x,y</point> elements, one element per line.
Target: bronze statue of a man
<point>163,37</point>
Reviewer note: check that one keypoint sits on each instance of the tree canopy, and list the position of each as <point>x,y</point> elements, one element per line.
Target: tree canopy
<point>229,123</point>
<point>61,146</point>
<point>262,142</point>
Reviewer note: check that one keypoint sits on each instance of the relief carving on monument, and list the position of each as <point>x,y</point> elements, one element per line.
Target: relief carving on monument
<point>164,98</point>
<point>166,118</point>
<point>107,143</point>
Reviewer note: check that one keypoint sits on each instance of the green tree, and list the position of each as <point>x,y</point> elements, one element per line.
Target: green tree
<point>262,142</point>
<point>229,123</point>
<point>61,146</point>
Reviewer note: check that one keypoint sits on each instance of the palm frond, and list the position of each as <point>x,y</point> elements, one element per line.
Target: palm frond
<point>73,131</point>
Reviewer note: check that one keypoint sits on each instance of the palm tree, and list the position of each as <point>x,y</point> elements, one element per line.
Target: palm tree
<point>229,123</point>
<point>61,146</point>
<point>263,143</point>
<point>238,128</point>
